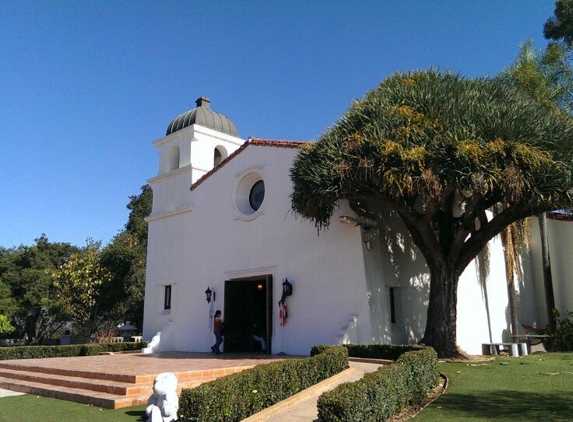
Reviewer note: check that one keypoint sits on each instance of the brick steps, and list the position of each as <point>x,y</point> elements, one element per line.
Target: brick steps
<point>78,395</point>
<point>109,391</point>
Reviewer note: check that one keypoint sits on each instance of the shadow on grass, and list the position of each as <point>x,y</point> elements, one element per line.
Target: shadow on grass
<point>136,413</point>
<point>508,405</point>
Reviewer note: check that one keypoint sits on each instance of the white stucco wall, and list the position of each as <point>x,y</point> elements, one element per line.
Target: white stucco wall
<point>209,245</point>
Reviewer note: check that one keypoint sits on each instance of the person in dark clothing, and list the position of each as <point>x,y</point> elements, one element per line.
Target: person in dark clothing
<point>218,331</point>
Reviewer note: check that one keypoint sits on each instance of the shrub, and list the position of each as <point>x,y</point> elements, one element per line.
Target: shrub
<point>562,339</point>
<point>372,351</point>
<point>381,394</point>
<point>238,396</point>
<point>34,352</point>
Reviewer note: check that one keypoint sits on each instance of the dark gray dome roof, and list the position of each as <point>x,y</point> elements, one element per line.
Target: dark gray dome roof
<point>204,116</point>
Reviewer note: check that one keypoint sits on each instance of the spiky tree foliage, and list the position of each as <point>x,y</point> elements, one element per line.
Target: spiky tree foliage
<point>441,150</point>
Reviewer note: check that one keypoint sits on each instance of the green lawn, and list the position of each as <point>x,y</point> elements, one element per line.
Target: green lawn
<point>29,408</point>
<point>531,388</point>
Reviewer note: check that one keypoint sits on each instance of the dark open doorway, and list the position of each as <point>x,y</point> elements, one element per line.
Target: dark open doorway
<point>247,300</point>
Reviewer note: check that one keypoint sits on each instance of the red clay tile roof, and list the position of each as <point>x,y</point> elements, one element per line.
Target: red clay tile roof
<point>250,141</point>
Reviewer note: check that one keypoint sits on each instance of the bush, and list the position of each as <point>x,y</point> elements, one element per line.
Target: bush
<point>238,396</point>
<point>372,351</point>
<point>381,394</point>
<point>562,339</point>
<point>34,352</point>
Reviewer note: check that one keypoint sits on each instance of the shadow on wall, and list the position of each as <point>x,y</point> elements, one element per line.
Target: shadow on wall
<point>482,274</point>
<point>396,269</point>
<point>398,282</point>
<point>530,302</point>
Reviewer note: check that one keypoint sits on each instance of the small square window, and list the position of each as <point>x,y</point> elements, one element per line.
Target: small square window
<point>167,299</point>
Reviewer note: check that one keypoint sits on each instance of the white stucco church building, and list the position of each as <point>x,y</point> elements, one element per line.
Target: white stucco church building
<point>222,223</point>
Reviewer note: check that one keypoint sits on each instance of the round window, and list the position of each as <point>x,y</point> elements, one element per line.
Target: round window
<point>256,195</point>
<point>250,195</point>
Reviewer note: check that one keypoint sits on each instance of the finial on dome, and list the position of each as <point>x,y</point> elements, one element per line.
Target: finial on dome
<point>203,102</point>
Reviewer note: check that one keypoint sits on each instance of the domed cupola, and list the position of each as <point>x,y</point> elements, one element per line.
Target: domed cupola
<point>204,116</point>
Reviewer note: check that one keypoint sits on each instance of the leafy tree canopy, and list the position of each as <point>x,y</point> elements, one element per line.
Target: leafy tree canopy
<point>78,283</point>
<point>125,257</point>
<point>25,272</point>
<point>441,150</point>
<point>559,27</point>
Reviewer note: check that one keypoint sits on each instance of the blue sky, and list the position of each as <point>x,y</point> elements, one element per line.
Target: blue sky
<point>86,87</point>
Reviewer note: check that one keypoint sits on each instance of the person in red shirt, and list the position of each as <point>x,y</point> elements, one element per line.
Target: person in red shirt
<point>218,331</point>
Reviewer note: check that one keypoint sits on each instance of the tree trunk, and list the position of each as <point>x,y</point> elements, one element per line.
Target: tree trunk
<point>31,329</point>
<point>442,314</point>
<point>547,277</point>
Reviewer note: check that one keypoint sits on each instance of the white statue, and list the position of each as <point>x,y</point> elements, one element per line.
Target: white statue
<point>163,404</point>
<point>153,344</point>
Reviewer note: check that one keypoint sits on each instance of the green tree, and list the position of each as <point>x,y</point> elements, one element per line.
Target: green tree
<point>78,284</point>
<point>8,305</point>
<point>440,150</point>
<point>547,77</point>
<point>5,327</point>
<point>26,270</point>
<point>559,27</point>
<point>125,257</point>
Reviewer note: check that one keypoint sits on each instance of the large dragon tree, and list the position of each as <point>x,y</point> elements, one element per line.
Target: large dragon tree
<point>441,150</point>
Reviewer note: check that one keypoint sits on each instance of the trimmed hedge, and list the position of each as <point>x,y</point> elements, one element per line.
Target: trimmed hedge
<point>381,394</point>
<point>34,352</point>
<point>238,396</point>
<point>372,351</point>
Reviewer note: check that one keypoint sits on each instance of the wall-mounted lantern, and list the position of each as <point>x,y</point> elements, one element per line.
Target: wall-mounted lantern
<point>209,294</point>
<point>287,288</point>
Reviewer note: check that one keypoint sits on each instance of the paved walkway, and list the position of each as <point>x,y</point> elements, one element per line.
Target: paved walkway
<point>8,393</point>
<point>139,364</point>
<point>302,406</point>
